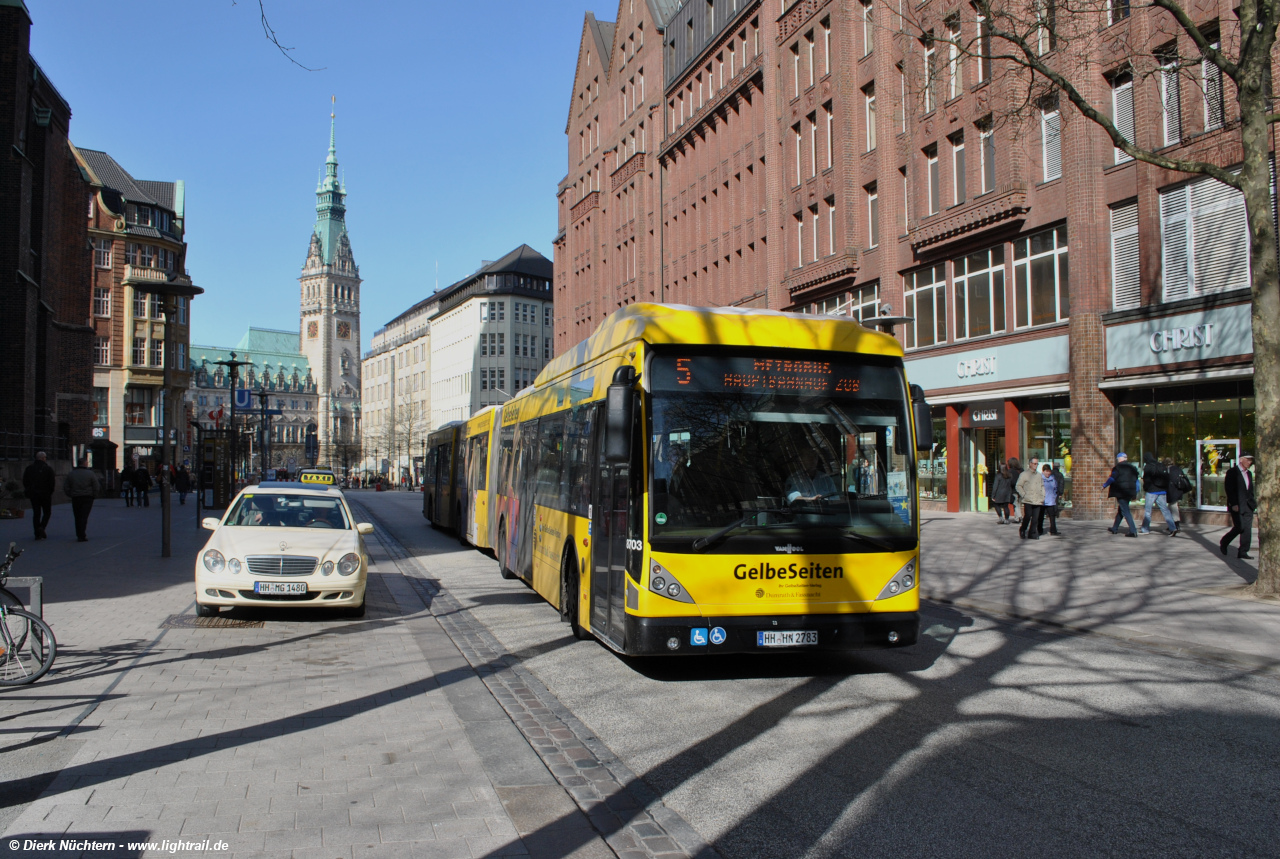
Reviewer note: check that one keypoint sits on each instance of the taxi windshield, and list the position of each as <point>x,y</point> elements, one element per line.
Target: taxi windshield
<point>280,510</point>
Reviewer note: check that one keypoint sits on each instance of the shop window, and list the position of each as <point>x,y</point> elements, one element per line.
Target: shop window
<point>137,407</point>
<point>925,300</point>
<point>1046,435</point>
<point>1040,278</point>
<point>932,466</point>
<point>101,413</point>
<point>979,293</point>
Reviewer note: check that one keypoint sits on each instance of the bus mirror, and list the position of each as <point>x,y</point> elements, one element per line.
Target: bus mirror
<point>922,416</point>
<point>619,410</point>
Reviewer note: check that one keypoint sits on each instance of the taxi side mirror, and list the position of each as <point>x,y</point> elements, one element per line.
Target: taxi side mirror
<point>364,527</point>
<point>210,524</point>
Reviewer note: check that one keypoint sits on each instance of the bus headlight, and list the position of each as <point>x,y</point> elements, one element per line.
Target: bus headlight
<point>673,590</point>
<point>662,583</point>
<point>213,561</point>
<point>349,563</point>
<point>902,581</point>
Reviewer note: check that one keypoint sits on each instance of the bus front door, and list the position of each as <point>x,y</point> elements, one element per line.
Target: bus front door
<point>613,519</point>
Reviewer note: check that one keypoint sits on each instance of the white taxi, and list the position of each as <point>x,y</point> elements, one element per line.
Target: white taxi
<point>284,545</point>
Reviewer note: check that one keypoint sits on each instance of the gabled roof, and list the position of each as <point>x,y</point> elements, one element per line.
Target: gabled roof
<point>270,340</point>
<point>603,31</point>
<point>266,349</point>
<point>662,10</point>
<point>600,34</point>
<point>108,173</point>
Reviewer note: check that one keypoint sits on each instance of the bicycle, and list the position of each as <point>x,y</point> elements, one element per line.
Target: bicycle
<point>27,645</point>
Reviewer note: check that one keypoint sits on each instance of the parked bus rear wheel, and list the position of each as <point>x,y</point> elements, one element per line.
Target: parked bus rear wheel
<point>502,552</point>
<point>570,604</point>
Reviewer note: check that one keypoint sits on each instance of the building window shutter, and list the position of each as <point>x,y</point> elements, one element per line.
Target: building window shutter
<point>1122,111</point>
<point>1051,134</point>
<point>1126,280</point>
<point>1173,233</point>
<point>1220,237</point>
<point>1171,96</point>
<point>1212,95</point>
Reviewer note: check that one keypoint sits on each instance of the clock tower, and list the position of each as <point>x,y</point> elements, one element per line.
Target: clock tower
<point>329,332</point>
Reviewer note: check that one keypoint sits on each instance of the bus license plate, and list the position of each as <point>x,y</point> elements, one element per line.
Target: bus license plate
<point>785,637</point>
<point>285,588</point>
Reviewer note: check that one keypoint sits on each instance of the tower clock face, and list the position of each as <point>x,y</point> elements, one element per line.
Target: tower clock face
<point>344,330</point>
<point>313,330</point>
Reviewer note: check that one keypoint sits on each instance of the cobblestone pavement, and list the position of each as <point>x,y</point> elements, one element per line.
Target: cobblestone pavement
<point>296,734</point>
<point>619,805</point>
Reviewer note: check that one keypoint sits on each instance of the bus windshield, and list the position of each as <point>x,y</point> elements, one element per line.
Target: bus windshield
<point>750,453</point>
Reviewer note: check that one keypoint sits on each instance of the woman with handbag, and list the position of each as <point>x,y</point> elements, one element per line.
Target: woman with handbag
<point>1179,485</point>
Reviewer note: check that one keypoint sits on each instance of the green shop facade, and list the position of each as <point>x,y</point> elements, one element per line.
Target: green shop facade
<point>1174,380</point>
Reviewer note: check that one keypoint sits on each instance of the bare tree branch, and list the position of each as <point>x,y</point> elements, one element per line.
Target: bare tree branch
<point>1207,50</point>
<point>270,33</point>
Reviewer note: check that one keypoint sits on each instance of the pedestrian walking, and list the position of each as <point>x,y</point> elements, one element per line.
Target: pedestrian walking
<point>126,484</point>
<point>1242,503</point>
<point>1123,486</point>
<point>182,483</point>
<point>81,485</point>
<point>1002,494</point>
<point>1179,485</point>
<point>1015,471</point>
<point>1031,493</point>
<point>1155,485</point>
<point>142,485</point>
<point>38,482</point>
<point>1050,506</point>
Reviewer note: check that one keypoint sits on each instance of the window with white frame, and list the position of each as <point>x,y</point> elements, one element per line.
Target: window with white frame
<point>1205,238</point>
<point>935,182</point>
<point>831,133</point>
<point>1040,288</point>
<point>157,306</point>
<point>987,154</point>
<point>869,100</point>
<point>795,70</point>
<point>1126,264</point>
<point>184,306</point>
<point>102,253</point>
<point>502,344</point>
<point>1050,140</point>
<point>958,174</point>
<point>102,301</point>
<point>978,279</point>
<point>930,72</point>
<point>809,46</point>
<point>831,224</point>
<point>826,46</point>
<point>1213,106</point>
<point>1170,96</point>
<point>873,215</point>
<point>984,45</point>
<point>795,131</point>
<point>812,119</point>
<point>868,29</point>
<point>1122,111</point>
<point>864,302</point>
<point>906,200</point>
<point>139,304</point>
<point>925,301</point>
<point>139,351</point>
<point>955,67</point>
<point>102,351</point>
<point>799,239</point>
<point>182,356</point>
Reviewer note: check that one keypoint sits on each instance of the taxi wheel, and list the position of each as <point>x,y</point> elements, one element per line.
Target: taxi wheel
<point>206,610</point>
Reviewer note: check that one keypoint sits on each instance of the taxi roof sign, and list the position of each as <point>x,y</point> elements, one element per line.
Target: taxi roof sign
<point>326,477</point>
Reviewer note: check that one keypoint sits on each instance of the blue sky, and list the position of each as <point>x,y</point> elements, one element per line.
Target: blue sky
<point>450,132</point>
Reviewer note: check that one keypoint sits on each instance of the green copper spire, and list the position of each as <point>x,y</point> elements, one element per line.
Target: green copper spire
<point>331,207</point>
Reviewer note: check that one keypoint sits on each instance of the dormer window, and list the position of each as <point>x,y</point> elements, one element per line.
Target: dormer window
<point>141,215</point>
<point>162,221</point>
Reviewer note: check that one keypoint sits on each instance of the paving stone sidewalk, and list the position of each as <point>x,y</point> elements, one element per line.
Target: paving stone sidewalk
<point>306,736</point>
<point>1174,594</point>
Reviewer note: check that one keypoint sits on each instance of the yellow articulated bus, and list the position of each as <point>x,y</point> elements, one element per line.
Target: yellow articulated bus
<point>456,476</point>
<point>696,480</point>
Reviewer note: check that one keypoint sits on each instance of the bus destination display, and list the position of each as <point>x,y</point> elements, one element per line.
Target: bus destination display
<point>748,374</point>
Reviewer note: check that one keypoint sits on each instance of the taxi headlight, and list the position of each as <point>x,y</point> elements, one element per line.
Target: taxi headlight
<point>213,561</point>
<point>327,568</point>
<point>234,565</point>
<point>349,563</point>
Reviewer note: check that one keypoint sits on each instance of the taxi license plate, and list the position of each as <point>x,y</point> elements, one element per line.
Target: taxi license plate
<point>287,588</point>
<point>785,637</point>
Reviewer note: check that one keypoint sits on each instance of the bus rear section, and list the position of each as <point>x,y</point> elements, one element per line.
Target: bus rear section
<point>442,474</point>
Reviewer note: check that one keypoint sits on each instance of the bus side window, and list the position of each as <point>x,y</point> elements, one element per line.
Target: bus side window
<point>577,458</point>
<point>550,462</point>
<point>482,458</point>
<point>506,451</point>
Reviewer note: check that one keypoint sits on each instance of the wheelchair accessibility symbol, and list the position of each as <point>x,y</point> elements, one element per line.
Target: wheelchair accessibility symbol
<point>698,637</point>
<point>718,635</point>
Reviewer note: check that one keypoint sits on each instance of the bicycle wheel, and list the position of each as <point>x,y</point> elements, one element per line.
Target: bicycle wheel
<point>18,626</point>
<point>28,660</point>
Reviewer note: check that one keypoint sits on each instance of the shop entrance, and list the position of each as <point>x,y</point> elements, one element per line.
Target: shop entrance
<point>1214,458</point>
<point>981,452</point>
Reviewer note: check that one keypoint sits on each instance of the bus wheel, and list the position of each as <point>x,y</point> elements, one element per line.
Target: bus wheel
<point>569,602</point>
<point>431,513</point>
<point>502,552</point>
<point>462,526</point>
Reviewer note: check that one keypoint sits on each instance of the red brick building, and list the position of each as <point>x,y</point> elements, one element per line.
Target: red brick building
<point>1068,302</point>
<point>46,369</point>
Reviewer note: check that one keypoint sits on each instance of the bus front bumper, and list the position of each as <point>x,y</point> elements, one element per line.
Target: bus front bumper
<point>679,636</point>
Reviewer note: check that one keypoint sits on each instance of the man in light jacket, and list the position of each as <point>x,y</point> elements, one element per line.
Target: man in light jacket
<point>81,485</point>
<point>1031,491</point>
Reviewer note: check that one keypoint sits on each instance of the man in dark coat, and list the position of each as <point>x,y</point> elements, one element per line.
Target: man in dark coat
<point>1123,484</point>
<point>1242,503</point>
<point>38,481</point>
<point>81,485</point>
<point>182,483</point>
<point>1179,485</point>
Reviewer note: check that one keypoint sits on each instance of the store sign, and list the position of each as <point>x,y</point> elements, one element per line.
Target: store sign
<point>985,415</point>
<point>982,366</point>
<point>1219,332</point>
<point>1191,337</point>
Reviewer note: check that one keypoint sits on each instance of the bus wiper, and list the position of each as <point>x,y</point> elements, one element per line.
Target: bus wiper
<point>872,541</point>
<point>702,542</point>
